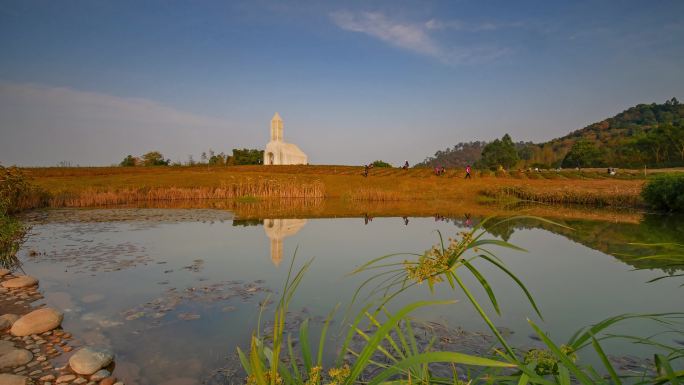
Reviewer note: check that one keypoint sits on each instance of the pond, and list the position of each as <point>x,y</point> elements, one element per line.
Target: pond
<point>174,291</point>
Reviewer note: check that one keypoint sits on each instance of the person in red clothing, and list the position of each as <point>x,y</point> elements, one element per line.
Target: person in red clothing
<point>468,172</point>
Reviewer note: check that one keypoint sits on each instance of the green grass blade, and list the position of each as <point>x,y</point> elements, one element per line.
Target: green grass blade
<point>485,285</point>
<point>577,372</point>
<point>581,338</point>
<point>517,281</point>
<point>244,361</point>
<point>606,362</point>
<point>663,365</point>
<point>304,344</point>
<point>350,333</point>
<point>321,342</point>
<point>293,360</point>
<point>495,242</point>
<point>433,357</point>
<point>379,335</point>
<point>524,379</point>
<point>484,316</point>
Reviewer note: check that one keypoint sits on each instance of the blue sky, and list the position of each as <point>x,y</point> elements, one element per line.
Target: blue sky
<point>90,81</point>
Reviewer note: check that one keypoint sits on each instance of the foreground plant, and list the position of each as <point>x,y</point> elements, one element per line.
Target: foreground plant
<point>391,355</point>
<point>392,337</point>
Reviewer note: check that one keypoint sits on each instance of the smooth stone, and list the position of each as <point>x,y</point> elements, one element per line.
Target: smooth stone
<point>20,281</point>
<point>89,360</point>
<point>6,347</point>
<point>13,379</point>
<point>80,381</point>
<point>65,378</point>
<point>108,381</point>
<point>48,377</point>
<point>100,375</point>
<point>11,318</point>
<point>4,272</point>
<point>14,358</point>
<point>37,321</point>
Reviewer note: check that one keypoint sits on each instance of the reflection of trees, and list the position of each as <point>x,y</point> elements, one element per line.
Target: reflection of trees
<point>657,234</point>
<point>248,222</point>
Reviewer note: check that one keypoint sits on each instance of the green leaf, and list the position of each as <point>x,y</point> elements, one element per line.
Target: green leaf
<point>432,357</point>
<point>374,342</point>
<point>304,344</point>
<point>484,284</point>
<point>606,362</point>
<point>581,376</point>
<point>517,281</point>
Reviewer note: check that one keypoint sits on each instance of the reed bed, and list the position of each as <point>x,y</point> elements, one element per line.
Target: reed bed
<point>617,197</point>
<point>378,195</point>
<point>257,188</point>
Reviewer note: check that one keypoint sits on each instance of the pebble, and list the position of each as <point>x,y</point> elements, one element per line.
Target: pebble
<point>12,379</point>
<point>65,378</point>
<point>100,375</point>
<point>48,377</point>
<point>20,281</point>
<point>89,360</point>
<point>108,381</point>
<point>6,347</point>
<point>15,357</point>
<point>80,380</point>
<point>37,321</point>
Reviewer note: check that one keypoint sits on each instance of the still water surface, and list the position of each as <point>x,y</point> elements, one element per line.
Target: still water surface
<point>173,292</point>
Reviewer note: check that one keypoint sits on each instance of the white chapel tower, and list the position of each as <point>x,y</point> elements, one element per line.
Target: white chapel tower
<point>278,151</point>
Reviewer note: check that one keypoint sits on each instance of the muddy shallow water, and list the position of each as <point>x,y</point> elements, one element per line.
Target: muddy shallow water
<point>173,292</point>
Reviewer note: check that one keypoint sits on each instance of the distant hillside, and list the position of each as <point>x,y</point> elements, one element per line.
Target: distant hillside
<point>645,135</point>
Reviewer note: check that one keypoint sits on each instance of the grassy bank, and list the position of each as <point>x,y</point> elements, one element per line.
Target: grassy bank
<point>81,187</point>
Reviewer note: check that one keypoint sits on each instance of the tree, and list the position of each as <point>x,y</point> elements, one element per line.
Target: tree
<point>526,152</point>
<point>676,136</point>
<point>154,158</point>
<point>500,153</point>
<point>129,161</point>
<point>381,164</point>
<point>582,154</point>
<point>247,156</point>
<point>217,160</point>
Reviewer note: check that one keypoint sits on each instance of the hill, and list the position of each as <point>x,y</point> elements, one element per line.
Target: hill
<point>649,135</point>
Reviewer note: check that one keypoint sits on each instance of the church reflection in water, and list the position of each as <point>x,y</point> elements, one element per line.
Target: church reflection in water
<point>279,229</point>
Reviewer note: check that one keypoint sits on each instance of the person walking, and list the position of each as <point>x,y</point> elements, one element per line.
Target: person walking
<point>467,176</point>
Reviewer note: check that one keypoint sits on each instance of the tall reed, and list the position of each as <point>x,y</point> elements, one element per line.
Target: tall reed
<point>605,197</point>
<point>261,188</point>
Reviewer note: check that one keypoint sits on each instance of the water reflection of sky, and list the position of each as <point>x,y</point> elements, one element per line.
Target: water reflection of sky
<point>174,294</point>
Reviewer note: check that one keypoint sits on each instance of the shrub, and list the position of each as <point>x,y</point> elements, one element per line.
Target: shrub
<point>665,193</point>
<point>381,164</point>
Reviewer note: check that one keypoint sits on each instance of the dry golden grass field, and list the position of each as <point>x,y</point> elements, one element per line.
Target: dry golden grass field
<point>85,187</point>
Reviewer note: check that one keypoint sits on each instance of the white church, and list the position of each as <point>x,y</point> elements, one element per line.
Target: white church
<point>280,152</point>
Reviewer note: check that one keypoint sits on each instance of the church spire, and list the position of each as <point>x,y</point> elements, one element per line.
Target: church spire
<point>276,128</point>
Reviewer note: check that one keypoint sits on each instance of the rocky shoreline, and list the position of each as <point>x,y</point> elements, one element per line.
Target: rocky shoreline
<point>34,349</point>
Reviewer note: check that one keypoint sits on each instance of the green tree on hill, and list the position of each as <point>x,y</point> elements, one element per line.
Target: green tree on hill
<point>500,153</point>
<point>583,154</point>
